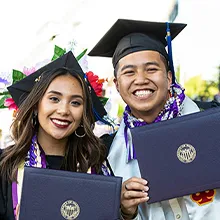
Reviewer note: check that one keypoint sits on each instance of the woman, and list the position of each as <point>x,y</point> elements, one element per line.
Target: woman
<point>53,129</point>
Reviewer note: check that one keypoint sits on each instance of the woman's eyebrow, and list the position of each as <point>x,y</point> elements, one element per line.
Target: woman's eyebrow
<point>60,94</point>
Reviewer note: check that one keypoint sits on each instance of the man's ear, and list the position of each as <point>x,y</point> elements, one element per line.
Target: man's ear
<point>169,77</point>
<point>116,83</point>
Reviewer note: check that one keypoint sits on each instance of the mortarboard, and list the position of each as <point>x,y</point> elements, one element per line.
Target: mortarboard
<point>129,36</point>
<point>20,90</point>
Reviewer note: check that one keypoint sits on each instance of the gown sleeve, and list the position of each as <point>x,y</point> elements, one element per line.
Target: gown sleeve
<point>107,140</point>
<point>6,209</point>
<point>2,197</point>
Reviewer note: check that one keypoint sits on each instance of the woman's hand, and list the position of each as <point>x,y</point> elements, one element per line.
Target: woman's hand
<point>134,191</point>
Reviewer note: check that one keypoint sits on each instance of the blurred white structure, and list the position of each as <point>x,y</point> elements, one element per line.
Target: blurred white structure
<point>30,29</point>
<point>5,123</point>
<point>197,48</point>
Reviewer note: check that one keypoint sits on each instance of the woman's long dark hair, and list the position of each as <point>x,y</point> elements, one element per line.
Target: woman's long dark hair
<point>80,154</point>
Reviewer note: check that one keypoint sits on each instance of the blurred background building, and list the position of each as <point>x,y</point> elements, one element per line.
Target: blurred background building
<point>30,29</point>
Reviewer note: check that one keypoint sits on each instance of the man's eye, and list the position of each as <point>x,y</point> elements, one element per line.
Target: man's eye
<point>152,69</point>
<point>128,72</point>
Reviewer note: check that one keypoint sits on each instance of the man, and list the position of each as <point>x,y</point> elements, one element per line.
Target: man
<point>144,77</point>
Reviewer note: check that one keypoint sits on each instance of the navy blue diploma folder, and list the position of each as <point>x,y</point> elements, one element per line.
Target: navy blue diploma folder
<point>57,195</point>
<point>180,156</point>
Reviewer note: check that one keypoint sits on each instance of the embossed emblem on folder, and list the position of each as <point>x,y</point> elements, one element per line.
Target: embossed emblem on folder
<point>186,153</point>
<point>70,209</point>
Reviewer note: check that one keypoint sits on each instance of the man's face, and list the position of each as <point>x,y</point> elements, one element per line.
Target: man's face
<point>143,83</point>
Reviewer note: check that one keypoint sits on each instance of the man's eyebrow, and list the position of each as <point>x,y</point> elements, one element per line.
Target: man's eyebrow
<point>127,67</point>
<point>134,66</point>
<point>152,63</point>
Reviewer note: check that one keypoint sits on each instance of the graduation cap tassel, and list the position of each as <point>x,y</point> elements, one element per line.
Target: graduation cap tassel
<point>168,38</point>
<point>97,116</point>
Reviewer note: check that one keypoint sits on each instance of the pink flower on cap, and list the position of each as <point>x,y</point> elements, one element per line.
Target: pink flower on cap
<point>9,102</point>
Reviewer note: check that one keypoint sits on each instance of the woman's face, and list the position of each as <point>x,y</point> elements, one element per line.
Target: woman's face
<point>61,108</point>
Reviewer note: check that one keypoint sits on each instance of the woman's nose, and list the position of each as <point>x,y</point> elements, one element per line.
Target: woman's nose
<point>63,109</point>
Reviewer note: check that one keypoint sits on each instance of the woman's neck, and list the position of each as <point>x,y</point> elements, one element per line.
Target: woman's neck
<point>52,146</point>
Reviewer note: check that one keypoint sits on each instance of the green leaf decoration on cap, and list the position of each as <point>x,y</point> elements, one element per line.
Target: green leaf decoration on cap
<point>4,93</point>
<point>17,75</point>
<point>2,100</point>
<point>58,52</point>
<point>103,100</point>
<point>81,55</point>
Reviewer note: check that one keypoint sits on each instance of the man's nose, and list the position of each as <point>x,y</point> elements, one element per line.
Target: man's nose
<point>141,77</point>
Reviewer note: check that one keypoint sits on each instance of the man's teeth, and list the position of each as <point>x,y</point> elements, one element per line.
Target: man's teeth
<point>142,93</point>
<point>60,122</point>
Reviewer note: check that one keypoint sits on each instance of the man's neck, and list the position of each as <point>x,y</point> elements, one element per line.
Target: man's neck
<point>148,118</point>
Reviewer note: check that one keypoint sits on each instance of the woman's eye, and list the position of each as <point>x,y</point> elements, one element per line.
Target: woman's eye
<point>75,103</point>
<point>54,99</point>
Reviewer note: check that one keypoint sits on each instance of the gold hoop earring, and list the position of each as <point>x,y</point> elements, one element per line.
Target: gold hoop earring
<point>80,135</point>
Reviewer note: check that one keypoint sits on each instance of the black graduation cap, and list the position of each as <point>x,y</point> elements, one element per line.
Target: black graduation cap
<point>20,90</point>
<point>128,36</point>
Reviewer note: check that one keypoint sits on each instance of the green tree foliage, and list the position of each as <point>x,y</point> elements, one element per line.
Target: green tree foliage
<point>177,73</point>
<point>197,88</point>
